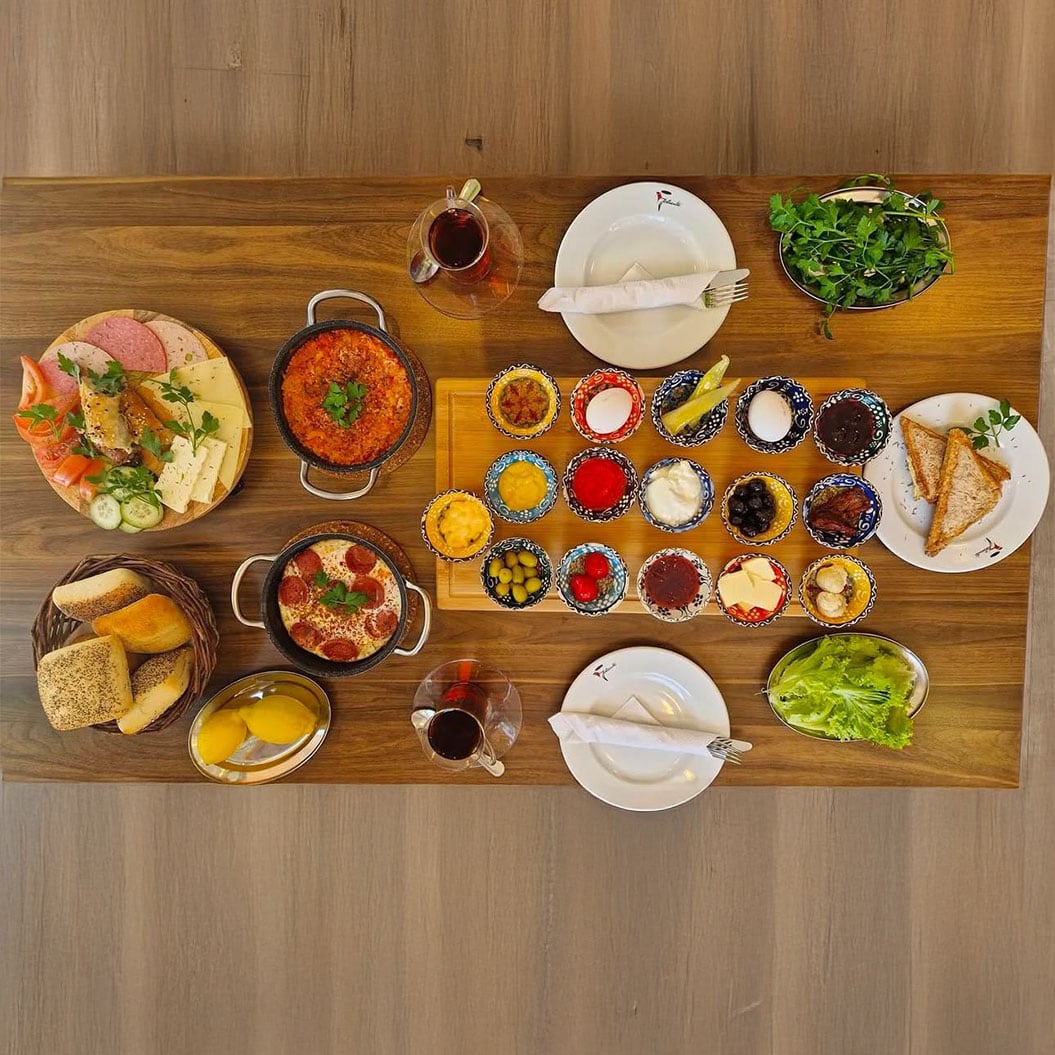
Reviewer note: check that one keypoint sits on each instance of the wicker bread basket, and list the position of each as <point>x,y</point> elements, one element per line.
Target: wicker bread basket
<point>52,629</point>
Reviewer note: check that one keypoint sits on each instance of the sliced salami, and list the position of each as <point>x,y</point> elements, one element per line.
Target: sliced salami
<point>375,591</point>
<point>341,650</point>
<point>382,624</point>
<point>293,591</point>
<point>181,346</point>
<point>88,356</point>
<point>305,635</point>
<point>360,559</point>
<point>308,563</point>
<point>130,343</point>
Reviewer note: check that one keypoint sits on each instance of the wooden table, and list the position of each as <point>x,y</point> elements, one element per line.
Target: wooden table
<point>240,258</point>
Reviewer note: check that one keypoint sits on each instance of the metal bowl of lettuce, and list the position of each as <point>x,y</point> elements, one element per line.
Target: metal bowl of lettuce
<point>850,687</point>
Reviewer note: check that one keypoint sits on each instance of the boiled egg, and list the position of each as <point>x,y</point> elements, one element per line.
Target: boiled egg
<point>609,411</point>
<point>769,416</point>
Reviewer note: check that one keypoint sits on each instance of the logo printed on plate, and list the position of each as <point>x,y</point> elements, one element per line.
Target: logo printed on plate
<point>663,198</point>
<point>601,671</point>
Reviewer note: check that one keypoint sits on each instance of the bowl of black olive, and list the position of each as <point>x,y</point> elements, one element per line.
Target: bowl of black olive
<point>758,508</point>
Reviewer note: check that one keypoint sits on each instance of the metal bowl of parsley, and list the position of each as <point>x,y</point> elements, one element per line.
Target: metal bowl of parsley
<point>344,395</point>
<point>863,247</point>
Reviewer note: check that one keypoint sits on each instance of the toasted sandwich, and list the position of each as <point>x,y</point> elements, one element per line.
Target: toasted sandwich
<point>926,453</point>
<point>967,491</point>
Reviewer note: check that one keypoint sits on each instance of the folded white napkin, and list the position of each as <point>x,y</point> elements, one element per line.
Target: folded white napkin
<point>637,291</point>
<point>630,726</point>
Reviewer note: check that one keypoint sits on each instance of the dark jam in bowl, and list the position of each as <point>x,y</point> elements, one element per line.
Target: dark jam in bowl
<point>671,581</point>
<point>847,427</point>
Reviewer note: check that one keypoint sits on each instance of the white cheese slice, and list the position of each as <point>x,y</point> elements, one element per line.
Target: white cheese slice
<point>232,421</point>
<point>735,589</point>
<point>765,595</point>
<point>211,379</point>
<point>759,568</point>
<point>179,475</point>
<point>204,486</point>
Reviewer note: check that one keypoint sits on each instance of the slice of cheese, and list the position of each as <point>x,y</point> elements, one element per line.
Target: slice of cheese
<point>743,590</point>
<point>211,379</point>
<point>232,419</point>
<point>179,475</point>
<point>204,486</point>
<point>759,568</point>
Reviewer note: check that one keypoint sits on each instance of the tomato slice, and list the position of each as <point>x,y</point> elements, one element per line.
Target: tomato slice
<point>50,456</point>
<point>34,387</point>
<point>71,469</point>
<point>86,488</point>
<point>51,430</point>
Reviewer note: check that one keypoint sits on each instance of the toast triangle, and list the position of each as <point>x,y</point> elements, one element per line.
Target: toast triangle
<point>926,452</point>
<point>966,493</point>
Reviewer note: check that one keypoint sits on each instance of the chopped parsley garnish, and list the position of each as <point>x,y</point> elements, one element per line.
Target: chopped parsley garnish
<point>344,403</point>
<point>337,595</point>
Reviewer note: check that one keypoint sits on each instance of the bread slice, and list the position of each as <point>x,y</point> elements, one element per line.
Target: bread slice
<point>87,599</point>
<point>926,451</point>
<point>966,493</point>
<point>154,623</point>
<point>156,686</point>
<point>84,683</point>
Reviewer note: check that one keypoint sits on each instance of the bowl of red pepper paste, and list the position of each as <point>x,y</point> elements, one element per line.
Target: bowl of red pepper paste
<point>600,484</point>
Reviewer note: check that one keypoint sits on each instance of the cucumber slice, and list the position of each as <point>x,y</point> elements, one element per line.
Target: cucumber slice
<point>129,529</point>
<point>140,513</point>
<point>105,512</point>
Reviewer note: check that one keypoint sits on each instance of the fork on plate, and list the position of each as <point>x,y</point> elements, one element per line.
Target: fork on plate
<point>722,748</point>
<point>719,296</point>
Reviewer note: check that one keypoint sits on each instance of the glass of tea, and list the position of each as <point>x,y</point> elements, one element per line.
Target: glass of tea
<point>467,713</point>
<point>456,236</point>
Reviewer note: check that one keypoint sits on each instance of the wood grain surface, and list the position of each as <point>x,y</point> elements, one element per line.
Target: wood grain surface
<point>239,259</point>
<point>466,444</point>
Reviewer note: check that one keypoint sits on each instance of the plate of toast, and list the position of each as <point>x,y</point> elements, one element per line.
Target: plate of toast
<point>951,504</point>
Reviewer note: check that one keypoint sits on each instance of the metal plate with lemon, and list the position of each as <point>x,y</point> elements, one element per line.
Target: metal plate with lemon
<point>260,728</point>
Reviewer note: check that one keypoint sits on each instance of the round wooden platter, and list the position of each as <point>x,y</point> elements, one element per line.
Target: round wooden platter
<point>385,543</point>
<point>71,496</point>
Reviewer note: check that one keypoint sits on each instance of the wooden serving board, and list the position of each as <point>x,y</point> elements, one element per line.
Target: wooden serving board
<point>467,443</point>
<point>71,496</point>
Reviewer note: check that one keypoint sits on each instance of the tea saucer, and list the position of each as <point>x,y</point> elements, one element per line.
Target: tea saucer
<point>674,691</point>
<point>471,301</point>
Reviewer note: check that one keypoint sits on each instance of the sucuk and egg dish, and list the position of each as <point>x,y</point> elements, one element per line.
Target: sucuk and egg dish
<point>346,397</point>
<point>523,402</point>
<point>457,525</point>
<point>339,601</point>
<point>835,590</point>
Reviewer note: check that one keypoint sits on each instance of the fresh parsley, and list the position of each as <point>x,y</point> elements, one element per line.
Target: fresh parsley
<point>181,395</point>
<point>75,419</point>
<point>344,403</point>
<point>848,252</point>
<point>126,482</point>
<point>991,425</point>
<point>111,382</point>
<point>337,595</point>
<point>150,441</point>
<point>43,414</point>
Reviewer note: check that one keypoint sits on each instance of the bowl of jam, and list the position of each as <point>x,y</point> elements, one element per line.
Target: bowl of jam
<point>852,426</point>
<point>674,585</point>
<point>600,484</point>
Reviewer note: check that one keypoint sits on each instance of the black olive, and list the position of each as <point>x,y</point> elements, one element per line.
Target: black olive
<point>736,518</point>
<point>748,530</point>
<point>736,505</point>
<point>754,502</point>
<point>756,486</point>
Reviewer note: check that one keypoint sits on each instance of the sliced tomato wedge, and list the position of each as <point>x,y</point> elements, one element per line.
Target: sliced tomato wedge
<point>34,387</point>
<point>51,430</point>
<point>71,469</point>
<point>86,489</point>
<point>51,455</point>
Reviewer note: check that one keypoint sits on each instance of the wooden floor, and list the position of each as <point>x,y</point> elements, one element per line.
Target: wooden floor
<point>385,920</point>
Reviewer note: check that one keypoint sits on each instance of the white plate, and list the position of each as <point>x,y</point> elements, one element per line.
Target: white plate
<point>906,520</point>
<point>666,230</point>
<point>676,692</point>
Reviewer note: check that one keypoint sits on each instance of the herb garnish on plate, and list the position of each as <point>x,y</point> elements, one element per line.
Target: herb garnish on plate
<point>127,482</point>
<point>344,402</point>
<point>999,420</point>
<point>337,595</point>
<point>861,253</point>
<point>189,430</point>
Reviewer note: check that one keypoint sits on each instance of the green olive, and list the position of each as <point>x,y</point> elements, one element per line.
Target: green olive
<point>518,574</point>
<point>505,575</point>
<point>520,595</point>
<point>533,585</point>
<point>502,589</point>
<point>511,559</point>
<point>527,559</point>
<point>494,568</point>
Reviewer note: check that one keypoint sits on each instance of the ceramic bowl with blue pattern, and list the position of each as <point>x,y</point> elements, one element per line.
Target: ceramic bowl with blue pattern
<point>671,393</point>
<point>799,403</point>
<point>682,612</point>
<point>610,590</point>
<point>860,403</point>
<point>867,522</point>
<point>494,499</point>
<point>493,569</point>
<point>621,505</point>
<point>706,495</point>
